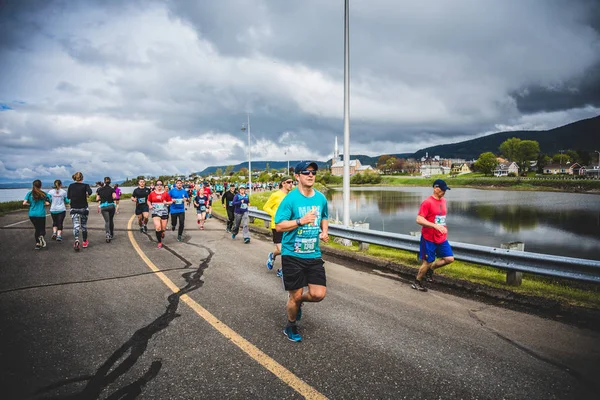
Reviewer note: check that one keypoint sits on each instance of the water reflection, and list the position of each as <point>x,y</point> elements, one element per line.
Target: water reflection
<point>554,223</point>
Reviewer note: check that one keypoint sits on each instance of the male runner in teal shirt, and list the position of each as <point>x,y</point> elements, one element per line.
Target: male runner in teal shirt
<point>303,218</point>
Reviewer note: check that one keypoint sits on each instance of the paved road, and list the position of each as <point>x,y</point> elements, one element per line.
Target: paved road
<point>204,318</point>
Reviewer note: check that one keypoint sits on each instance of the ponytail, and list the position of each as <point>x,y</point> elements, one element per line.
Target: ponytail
<point>36,191</point>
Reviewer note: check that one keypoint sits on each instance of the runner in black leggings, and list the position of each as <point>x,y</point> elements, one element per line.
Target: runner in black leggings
<point>106,201</point>
<point>78,193</point>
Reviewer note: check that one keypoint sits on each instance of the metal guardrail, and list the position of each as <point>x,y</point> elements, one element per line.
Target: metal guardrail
<point>507,259</point>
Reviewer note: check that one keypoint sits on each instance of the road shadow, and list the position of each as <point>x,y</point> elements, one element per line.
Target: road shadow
<point>128,354</point>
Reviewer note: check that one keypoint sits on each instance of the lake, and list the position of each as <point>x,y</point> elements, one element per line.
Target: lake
<point>566,224</point>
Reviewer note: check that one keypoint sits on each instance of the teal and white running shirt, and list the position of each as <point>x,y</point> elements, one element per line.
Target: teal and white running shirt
<point>302,242</point>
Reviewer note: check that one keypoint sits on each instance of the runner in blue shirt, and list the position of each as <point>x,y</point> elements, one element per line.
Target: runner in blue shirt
<point>240,202</point>
<point>303,218</point>
<point>180,197</point>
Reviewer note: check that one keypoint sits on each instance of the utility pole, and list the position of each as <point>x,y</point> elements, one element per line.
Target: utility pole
<point>247,127</point>
<point>346,181</point>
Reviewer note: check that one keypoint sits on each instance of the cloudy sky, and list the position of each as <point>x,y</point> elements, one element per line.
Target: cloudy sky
<point>127,88</point>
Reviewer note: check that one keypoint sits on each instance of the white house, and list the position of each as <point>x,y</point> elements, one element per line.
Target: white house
<point>505,168</point>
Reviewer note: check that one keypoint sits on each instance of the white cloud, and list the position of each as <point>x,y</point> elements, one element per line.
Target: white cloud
<point>124,91</point>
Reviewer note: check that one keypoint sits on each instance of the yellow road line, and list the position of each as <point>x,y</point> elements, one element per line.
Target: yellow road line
<point>254,352</point>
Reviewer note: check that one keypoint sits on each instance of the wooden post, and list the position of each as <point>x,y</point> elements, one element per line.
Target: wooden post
<point>514,278</point>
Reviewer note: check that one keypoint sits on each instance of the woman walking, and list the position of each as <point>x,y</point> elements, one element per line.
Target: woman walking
<point>37,200</point>
<point>118,198</point>
<point>106,201</point>
<point>78,193</point>
<point>158,201</point>
<point>58,209</point>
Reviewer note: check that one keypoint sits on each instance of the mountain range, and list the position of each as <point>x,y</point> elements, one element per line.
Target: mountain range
<point>581,135</point>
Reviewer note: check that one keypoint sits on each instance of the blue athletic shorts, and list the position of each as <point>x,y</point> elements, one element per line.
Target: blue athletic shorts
<point>429,250</point>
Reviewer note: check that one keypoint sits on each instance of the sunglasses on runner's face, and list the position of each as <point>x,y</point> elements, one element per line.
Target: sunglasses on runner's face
<point>289,182</point>
<point>308,172</point>
<point>158,184</point>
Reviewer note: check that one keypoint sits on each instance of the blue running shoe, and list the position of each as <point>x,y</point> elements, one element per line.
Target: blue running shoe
<point>233,236</point>
<point>299,315</point>
<point>279,273</point>
<point>292,333</point>
<point>270,261</point>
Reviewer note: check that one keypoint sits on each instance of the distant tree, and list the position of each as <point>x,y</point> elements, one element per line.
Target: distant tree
<point>520,151</point>
<point>399,165</point>
<point>389,165</point>
<point>486,163</point>
<point>542,161</point>
<point>411,165</point>
<point>510,148</point>
<point>219,172</point>
<point>264,177</point>
<point>382,160</point>
<point>528,151</point>
<point>229,170</point>
<point>267,167</point>
<point>243,171</point>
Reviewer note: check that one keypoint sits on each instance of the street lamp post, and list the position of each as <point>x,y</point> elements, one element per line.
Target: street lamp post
<point>598,157</point>
<point>247,127</point>
<point>346,181</point>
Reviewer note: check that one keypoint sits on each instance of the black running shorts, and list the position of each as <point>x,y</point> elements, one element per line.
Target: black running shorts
<point>141,209</point>
<point>277,236</point>
<point>299,272</point>
<point>161,216</point>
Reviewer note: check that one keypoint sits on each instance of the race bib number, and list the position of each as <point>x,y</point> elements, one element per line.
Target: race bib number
<point>158,206</point>
<point>305,245</point>
<point>142,200</point>
<point>202,208</point>
<point>230,204</point>
<point>243,206</point>
<point>178,201</point>
<point>440,220</point>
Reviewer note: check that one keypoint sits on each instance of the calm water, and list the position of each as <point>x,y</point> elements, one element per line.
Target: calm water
<point>566,224</point>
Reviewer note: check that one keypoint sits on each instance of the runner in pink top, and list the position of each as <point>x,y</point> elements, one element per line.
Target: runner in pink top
<point>118,193</point>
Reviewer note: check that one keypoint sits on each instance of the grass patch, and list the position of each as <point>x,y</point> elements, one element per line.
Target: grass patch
<point>8,206</point>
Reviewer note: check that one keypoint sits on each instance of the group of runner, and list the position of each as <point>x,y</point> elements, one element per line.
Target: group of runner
<point>299,222</point>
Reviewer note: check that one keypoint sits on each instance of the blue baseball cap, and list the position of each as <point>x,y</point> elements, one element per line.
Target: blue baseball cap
<point>303,166</point>
<point>441,184</point>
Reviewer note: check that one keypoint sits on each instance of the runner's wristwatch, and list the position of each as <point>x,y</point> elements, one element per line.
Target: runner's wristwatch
<point>298,222</point>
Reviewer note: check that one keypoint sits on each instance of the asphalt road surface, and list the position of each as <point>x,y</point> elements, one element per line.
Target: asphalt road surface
<point>203,319</point>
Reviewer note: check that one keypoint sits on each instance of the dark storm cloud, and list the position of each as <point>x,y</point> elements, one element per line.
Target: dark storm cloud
<point>577,93</point>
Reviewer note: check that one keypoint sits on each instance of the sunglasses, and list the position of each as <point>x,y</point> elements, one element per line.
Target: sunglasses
<point>308,172</point>
<point>158,184</point>
<point>289,182</point>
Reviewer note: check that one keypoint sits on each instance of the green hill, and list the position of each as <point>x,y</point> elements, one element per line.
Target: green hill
<point>580,135</point>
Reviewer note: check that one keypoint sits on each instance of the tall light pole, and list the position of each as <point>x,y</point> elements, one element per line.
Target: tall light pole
<point>346,181</point>
<point>598,157</point>
<point>247,127</point>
